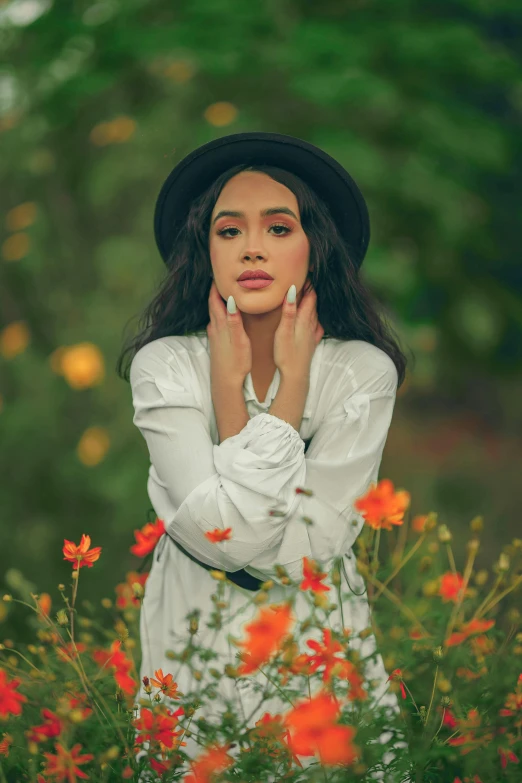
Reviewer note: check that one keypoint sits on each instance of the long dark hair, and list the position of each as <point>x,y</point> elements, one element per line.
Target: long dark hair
<point>346,309</point>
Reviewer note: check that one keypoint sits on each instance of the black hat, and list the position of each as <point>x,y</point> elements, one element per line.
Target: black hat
<point>196,172</point>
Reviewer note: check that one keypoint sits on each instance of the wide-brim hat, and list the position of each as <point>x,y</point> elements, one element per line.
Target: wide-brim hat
<point>196,172</point>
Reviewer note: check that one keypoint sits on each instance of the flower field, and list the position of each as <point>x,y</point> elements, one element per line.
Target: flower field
<point>449,634</point>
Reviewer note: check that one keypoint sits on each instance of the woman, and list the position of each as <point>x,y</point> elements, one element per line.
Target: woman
<point>291,384</point>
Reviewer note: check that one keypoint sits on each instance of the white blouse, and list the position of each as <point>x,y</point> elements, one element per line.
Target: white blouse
<point>197,484</point>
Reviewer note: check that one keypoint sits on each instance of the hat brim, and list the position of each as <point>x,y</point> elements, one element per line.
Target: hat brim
<point>198,170</point>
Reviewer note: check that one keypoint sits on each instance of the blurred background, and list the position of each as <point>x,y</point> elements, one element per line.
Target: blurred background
<point>420,101</point>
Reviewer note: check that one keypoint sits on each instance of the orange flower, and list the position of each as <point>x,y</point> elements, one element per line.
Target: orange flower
<point>468,629</point>
<point>10,699</point>
<point>51,727</point>
<point>312,577</point>
<point>126,599</point>
<point>382,507</point>
<point>219,535</point>
<point>166,683</point>
<point>334,666</point>
<point>396,676</point>
<point>4,745</point>
<point>45,603</point>
<point>213,760</point>
<point>62,765</point>
<point>265,636</point>
<point>147,538</point>
<point>450,586</point>
<point>315,731</point>
<point>81,555</point>
<point>418,523</point>
<point>158,726</point>
<point>119,663</point>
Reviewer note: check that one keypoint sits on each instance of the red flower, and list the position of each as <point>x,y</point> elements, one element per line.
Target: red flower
<point>147,538</point>
<point>62,765</point>
<point>314,729</point>
<point>219,535</point>
<point>158,726</point>
<point>396,676</point>
<point>334,666</point>
<point>81,555</point>
<point>10,699</point>
<point>312,577</point>
<point>382,507</point>
<point>505,756</point>
<point>213,760</point>
<point>51,727</point>
<point>450,586</point>
<point>119,663</point>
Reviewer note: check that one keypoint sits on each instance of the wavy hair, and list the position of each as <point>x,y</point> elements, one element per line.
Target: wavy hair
<point>346,308</point>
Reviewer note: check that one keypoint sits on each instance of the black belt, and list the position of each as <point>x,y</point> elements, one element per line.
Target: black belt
<point>241,577</point>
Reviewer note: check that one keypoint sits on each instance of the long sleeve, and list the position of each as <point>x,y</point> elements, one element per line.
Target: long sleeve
<point>236,484</point>
<point>342,461</point>
<point>196,486</point>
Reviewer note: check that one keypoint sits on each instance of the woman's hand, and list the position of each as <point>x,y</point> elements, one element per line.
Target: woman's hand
<point>230,348</point>
<point>296,337</point>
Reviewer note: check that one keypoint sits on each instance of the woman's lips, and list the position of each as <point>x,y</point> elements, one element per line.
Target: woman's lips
<point>255,282</point>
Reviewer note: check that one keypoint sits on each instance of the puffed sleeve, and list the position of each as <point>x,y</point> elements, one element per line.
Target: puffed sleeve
<point>343,459</point>
<point>232,485</point>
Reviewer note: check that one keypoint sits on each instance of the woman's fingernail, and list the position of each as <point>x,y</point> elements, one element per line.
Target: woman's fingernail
<point>290,297</point>
<point>231,305</point>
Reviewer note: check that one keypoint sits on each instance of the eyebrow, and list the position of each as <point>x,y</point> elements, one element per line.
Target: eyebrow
<point>263,213</point>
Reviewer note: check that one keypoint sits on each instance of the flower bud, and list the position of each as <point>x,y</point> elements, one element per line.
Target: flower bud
<point>106,603</point>
<point>267,585</point>
<point>219,575</point>
<point>193,625</point>
<point>8,598</point>
<point>503,562</point>
<point>445,702</point>
<point>75,574</point>
<point>61,587</point>
<point>137,590</point>
<point>444,534</point>
<point>261,597</point>
<point>473,545</point>
<point>438,654</point>
<point>431,522</point>
<point>481,577</point>
<point>476,524</point>
<point>61,617</point>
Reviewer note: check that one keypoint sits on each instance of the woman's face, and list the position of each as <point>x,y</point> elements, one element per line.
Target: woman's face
<point>274,243</point>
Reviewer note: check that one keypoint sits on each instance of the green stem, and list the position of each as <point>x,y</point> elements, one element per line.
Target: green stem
<point>432,694</point>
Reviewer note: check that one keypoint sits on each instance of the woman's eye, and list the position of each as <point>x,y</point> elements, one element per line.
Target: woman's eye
<point>223,231</point>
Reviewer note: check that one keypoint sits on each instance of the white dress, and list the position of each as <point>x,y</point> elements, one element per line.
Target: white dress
<point>196,484</point>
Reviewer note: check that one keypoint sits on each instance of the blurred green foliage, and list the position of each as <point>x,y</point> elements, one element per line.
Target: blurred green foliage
<point>421,102</point>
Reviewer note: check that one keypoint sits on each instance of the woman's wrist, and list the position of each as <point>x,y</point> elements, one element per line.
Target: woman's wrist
<point>290,400</point>
<point>229,408</point>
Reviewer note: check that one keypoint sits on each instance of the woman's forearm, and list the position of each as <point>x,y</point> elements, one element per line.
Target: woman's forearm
<point>290,400</point>
<point>230,409</point>
<point>232,414</point>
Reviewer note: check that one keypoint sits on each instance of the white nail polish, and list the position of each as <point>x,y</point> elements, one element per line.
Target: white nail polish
<point>231,305</point>
<point>290,297</point>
